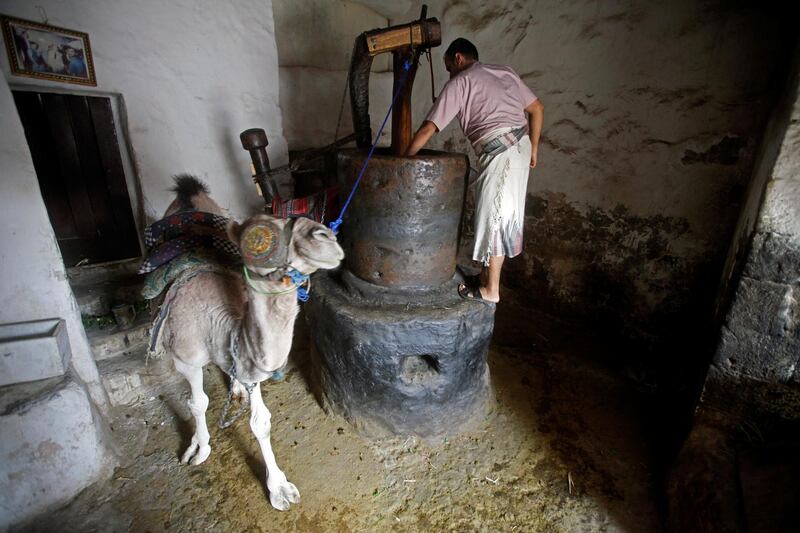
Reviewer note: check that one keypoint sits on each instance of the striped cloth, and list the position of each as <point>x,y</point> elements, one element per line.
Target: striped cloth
<point>499,141</point>
<point>319,206</point>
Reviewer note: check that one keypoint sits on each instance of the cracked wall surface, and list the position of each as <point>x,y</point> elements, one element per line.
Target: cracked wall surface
<point>653,116</point>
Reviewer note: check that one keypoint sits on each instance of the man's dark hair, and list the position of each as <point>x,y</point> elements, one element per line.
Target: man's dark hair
<point>463,47</point>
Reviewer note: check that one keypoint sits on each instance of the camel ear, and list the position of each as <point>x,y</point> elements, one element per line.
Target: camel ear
<point>234,230</point>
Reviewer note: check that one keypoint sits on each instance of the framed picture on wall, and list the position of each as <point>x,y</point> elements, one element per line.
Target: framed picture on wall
<point>47,52</point>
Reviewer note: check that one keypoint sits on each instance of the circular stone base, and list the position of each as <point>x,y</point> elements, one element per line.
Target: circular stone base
<point>413,367</point>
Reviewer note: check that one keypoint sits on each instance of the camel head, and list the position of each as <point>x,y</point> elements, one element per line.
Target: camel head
<point>313,247</point>
<point>268,243</point>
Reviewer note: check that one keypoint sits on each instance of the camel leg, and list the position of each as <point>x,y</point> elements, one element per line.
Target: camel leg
<point>199,450</point>
<point>281,492</point>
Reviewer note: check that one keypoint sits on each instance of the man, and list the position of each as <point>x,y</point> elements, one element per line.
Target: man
<point>491,103</point>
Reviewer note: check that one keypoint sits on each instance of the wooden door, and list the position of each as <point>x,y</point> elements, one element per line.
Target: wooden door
<point>76,155</point>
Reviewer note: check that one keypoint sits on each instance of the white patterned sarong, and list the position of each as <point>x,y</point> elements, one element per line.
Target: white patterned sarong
<point>500,201</point>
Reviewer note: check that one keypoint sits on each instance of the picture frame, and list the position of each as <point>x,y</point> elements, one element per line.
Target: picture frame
<point>48,52</point>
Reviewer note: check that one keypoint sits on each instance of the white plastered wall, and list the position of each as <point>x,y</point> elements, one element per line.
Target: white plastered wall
<point>190,75</point>
<point>315,43</point>
<point>33,280</point>
<point>52,443</point>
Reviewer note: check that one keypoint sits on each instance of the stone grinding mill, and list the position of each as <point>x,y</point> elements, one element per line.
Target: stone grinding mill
<point>395,350</point>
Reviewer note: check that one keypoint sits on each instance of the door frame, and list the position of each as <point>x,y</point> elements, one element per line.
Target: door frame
<point>119,111</point>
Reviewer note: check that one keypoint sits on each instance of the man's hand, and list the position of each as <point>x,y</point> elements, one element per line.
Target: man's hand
<point>534,155</point>
<point>421,138</point>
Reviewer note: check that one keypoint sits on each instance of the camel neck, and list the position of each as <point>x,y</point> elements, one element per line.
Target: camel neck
<point>267,328</point>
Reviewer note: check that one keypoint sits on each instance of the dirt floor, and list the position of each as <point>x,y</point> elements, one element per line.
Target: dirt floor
<point>564,449</point>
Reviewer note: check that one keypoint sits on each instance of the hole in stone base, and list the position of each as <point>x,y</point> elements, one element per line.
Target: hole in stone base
<point>418,369</point>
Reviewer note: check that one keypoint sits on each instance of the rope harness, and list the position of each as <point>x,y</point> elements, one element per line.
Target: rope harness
<point>223,423</point>
<point>295,277</point>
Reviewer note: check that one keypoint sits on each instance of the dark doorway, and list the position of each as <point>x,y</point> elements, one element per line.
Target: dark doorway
<point>76,155</point>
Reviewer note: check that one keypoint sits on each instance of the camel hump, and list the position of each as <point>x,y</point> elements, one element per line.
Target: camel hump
<point>186,188</point>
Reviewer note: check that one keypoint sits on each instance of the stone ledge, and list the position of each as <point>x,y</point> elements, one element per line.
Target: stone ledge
<point>131,377</point>
<point>117,342</point>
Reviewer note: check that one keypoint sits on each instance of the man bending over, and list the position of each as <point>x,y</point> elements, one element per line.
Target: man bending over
<point>491,103</point>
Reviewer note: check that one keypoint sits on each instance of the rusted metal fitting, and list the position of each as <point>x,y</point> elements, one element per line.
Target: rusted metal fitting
<point>255,141</point>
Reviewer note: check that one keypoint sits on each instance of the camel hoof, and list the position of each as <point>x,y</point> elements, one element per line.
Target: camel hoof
<point>195,453</point>
<point>283,496</point>
<point>202,454</point>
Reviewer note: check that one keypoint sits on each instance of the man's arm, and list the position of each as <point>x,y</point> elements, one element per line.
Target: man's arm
<point>421,138</point>
<point>535,113</point>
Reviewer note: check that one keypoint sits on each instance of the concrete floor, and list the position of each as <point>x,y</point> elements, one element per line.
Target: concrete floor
<point>563,449</point>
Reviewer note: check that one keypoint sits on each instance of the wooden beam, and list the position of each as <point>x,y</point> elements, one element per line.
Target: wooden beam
<point>427,33</point>
<point>401,113</point>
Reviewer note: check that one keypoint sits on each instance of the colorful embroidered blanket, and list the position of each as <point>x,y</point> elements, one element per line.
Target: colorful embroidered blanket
<point>187,231</point>
<point>190,263</point>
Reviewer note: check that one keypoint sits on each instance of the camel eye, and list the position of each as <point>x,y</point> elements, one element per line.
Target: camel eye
<point>321,233</point>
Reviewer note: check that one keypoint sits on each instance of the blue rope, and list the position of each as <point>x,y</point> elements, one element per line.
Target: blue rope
<point>298,279</point>
<point>336,223</point>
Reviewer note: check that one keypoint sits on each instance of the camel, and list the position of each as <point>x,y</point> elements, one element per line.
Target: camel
<point>242,323</point>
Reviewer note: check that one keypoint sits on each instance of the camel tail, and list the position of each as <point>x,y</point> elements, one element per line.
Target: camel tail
<point>187,187</point>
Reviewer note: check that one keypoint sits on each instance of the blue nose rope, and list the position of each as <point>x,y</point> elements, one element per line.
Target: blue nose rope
<point>299,279</point>
<point>334,225</point>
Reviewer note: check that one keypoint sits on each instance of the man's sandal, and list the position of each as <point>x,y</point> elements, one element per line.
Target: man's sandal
<point>473,293</point>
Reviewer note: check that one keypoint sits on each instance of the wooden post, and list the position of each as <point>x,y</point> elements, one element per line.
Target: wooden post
<point>401,113</point>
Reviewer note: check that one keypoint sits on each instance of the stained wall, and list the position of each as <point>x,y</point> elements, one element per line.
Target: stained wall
<point>728,472</point>
<point>754,373</point>
<point>653,115</point>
